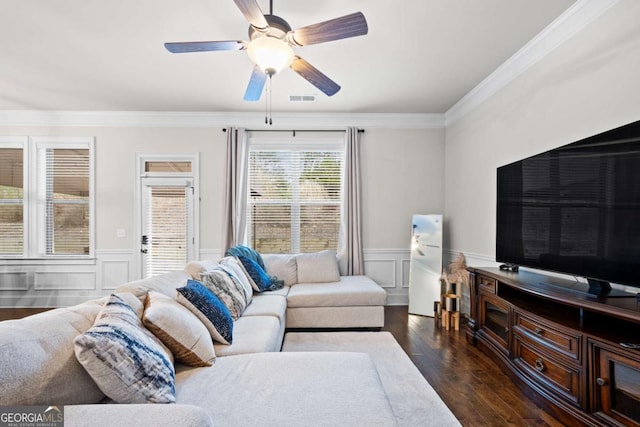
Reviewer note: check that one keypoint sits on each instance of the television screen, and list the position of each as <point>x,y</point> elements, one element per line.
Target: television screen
<point>575,209</point>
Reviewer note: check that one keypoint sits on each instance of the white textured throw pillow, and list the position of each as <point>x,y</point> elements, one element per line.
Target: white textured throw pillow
<point>196,269</point>
<point>126,361</point>
<point>283,266</point>
<point>236,271</point>
<point>178,329</point>
<point>318,267</point>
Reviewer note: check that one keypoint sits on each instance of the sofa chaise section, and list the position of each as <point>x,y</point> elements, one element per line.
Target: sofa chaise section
<point>318,297</point>
<point>352,302</point>
<point>293,389</point>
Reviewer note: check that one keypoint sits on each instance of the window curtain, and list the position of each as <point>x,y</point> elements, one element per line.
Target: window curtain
<point>350,257</point>
<point>235,188</point>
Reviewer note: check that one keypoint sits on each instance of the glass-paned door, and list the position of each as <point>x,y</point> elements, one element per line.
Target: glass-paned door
<point>167,241</point>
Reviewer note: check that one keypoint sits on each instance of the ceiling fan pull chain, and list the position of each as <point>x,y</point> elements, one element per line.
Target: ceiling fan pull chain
<point>270,104</point>
<point>266,104</point>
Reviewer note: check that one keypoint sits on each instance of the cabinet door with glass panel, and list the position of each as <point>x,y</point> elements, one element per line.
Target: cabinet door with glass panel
<point>616,385</point>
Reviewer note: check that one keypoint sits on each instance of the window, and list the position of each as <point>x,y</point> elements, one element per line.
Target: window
<point>11,198</point>
<point>46,197</point>
<point>294,196</point>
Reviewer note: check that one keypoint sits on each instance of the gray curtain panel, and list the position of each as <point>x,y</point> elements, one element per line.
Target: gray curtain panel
<point>350,257</point>
<point>235,188</point>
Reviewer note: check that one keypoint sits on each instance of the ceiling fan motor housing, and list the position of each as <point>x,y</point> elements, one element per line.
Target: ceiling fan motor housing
<point>278,28</point>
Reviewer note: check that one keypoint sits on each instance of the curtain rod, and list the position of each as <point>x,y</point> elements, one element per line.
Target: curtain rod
<point>296,130</point>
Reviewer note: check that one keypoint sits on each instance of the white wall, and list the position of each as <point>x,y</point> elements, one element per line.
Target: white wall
<point>402,174</point>
<point>586,86</point>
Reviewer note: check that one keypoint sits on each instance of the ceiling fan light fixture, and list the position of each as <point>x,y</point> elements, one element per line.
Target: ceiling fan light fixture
<point>271,54</point>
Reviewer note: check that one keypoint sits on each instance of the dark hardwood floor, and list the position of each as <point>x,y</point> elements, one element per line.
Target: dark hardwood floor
<point>468,381</point>
<point>18,313</point>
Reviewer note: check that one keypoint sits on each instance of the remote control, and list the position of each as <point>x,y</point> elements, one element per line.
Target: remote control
<point>630,345</point>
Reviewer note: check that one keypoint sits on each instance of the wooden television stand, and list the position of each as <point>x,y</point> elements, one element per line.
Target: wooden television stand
<point>566,347</point>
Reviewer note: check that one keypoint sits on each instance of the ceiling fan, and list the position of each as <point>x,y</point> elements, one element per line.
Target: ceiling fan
<point>270,45</point>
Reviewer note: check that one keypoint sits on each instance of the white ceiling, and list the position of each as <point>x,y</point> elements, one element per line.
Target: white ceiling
<point>420,56</point>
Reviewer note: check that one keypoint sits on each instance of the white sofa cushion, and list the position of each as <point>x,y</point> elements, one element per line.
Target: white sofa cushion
<point>283,266</point>
<point>283,292</point>
<point>294,389</point>
<point>318,267</point>
<point>267,305</point>
<point>354,316</point>
<point>38,364</point>
<point>178,329</point>
<point>252,334</point>
<point>136,415</point>
<point>129,364</point>
<point>349,291</point>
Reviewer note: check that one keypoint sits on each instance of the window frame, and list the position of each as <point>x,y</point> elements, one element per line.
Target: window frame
<point>325,144</point>
<point>34,206</point>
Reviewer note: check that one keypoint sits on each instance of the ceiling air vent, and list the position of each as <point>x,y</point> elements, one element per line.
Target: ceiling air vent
<point>302,98</point>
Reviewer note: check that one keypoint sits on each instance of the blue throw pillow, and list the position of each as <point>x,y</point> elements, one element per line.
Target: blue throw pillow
<point>247,252</point>
<point>257,274</point>
<point>209,309</point>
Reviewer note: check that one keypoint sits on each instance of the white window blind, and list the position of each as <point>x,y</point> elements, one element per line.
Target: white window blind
<point>167,229</point>
<point>294,199</point>
<point>65,183</point>
<point>11,201</point>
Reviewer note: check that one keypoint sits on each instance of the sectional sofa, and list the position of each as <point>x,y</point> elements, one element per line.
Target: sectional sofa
<point>249,381</point>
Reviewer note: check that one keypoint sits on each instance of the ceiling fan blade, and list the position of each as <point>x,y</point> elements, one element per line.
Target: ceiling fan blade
<point>256,85</point>
<point>184,47</point>
<point>314,76</point>
<point>344,27</point>
<point>253,14</point>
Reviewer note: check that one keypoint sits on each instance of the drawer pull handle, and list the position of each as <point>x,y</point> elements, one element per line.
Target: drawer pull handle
<point>537,331</point>
<point>540,365</point>
<point>601,382</point>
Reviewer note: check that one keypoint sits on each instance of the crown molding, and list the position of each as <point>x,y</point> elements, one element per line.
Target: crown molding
<point>32,118</point>
<point>573,20</point>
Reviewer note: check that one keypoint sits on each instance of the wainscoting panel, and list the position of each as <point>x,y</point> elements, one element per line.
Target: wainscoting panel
<point>116,267</point>
<point>114,274</point>
<point>14,281</point>
<point>210,254</point>
<point>383,271</point>
<point>388,267</point>
<point>406,273</point>
<point>64,280</point>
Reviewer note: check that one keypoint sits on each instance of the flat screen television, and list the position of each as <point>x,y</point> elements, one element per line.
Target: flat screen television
<point>575,210</point>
